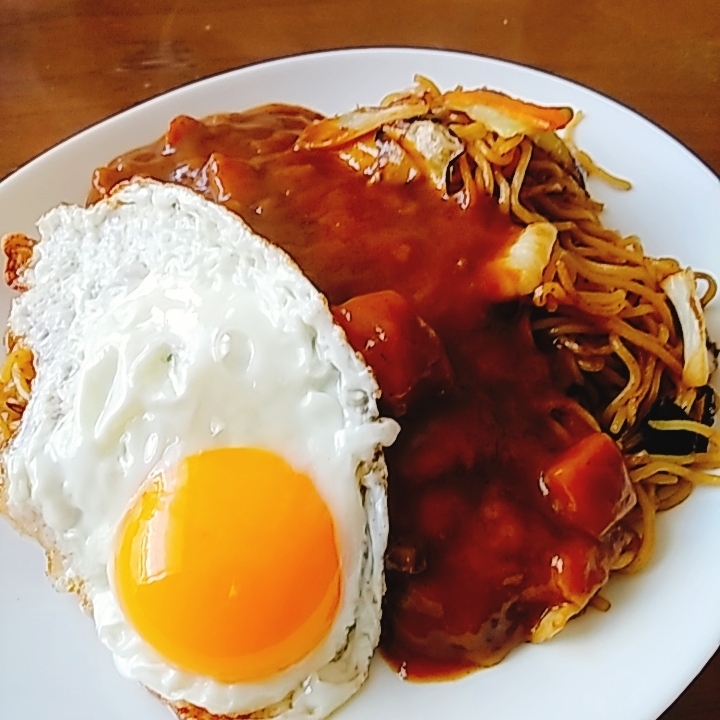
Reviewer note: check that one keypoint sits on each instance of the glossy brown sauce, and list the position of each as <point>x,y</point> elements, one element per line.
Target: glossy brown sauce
<point>478,554</point>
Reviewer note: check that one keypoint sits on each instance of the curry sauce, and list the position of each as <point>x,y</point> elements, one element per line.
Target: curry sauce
<point>503,502</point>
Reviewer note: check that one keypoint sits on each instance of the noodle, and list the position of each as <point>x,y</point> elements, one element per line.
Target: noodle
<point>518,209</point>
<point>592,169</point>
<point>600,603</point>
<point>586,162</point>
<point>711,289</point>
<point>503,191</point>
<point>677,493</point>
<point>15,380</point>
<point>648,509</point>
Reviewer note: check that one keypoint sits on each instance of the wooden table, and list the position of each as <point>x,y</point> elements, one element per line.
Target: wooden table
<point>65,64</point>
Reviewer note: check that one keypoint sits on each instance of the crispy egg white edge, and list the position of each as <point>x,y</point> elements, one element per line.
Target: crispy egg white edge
<point>363,435</point>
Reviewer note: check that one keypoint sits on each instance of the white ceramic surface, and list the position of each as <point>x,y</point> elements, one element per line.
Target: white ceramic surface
<point>628,664</point>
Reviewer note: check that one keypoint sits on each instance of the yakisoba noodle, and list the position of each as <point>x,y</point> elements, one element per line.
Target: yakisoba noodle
<point>600,300</point>
<point>15,379</point>
<point>605,307</point>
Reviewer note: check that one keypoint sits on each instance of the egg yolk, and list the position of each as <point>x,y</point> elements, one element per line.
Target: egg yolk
<point>228,565</point>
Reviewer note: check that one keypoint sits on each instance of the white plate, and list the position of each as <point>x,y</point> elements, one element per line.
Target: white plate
<point>629,664</point>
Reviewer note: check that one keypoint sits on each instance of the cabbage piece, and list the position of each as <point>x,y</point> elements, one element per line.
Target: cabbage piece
<point>343,129</point>
<point>380,159</point>
<point>433,148</point>
<point>680,287</point>
<point>526,260</point>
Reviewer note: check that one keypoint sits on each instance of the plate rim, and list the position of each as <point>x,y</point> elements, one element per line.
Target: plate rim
<point>359,50</point>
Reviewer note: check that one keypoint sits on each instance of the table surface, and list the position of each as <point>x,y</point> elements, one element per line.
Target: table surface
<point>66,64</point>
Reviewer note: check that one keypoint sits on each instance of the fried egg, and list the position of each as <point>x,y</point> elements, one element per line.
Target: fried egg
<point>203,451</point>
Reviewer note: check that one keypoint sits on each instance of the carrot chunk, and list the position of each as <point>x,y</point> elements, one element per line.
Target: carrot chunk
<point>588,485</point>
<point>403,351</point>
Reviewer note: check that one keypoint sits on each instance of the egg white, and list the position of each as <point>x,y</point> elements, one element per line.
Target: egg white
<point>162,326</point>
